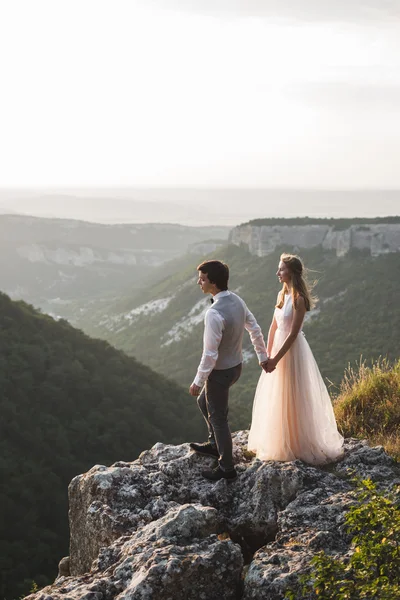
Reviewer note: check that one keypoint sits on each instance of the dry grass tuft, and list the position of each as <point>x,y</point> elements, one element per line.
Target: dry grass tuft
<point>368,404</point>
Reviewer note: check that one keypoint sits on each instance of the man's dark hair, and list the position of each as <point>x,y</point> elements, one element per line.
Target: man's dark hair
<point>217,272</point>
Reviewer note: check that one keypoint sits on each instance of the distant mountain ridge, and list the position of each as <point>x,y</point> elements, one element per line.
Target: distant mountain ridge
<point>62,265</point>
<point>198,206</point>
<point>98,207</point>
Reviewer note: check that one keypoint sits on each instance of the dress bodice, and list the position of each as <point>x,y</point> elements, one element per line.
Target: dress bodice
<point>284,315</point>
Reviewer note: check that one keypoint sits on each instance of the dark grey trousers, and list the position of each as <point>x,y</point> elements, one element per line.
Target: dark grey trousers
<point>213,403</point>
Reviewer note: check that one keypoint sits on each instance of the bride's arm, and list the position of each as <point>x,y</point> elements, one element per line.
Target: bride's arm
<point>273,327</point>
<point>298,317</point>
<point>271,334</point>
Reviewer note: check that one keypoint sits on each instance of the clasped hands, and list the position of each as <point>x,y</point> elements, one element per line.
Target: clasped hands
<point>268,365</point>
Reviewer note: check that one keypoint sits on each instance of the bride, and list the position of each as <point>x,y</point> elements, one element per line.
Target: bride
<point>292,413</point>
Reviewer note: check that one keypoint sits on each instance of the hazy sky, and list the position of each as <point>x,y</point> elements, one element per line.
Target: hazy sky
<point>225,93</point>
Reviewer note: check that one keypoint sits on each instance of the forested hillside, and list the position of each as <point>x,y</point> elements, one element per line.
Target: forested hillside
<point>67,402</point>
<point>357,314</point>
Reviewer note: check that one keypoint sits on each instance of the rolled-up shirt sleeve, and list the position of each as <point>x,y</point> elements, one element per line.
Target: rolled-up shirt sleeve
<point>256,336</point>
<point>213,329</point>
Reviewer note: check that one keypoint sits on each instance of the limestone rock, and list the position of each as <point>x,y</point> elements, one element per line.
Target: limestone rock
<point>261,240</point>
<point>174,557</point>
<point>63,567</point>
<point>314,520</point>
<point>107,502</point>
<point>155,529</point>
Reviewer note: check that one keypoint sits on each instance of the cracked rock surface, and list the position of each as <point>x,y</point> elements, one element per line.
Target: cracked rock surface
<point>155,529</point>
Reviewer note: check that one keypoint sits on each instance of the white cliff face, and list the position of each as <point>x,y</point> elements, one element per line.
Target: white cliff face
<point>262,240</point>
<point>123,320</point>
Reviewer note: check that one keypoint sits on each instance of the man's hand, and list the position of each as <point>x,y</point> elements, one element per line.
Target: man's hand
<point>194,390</point>
<point>263,365</point>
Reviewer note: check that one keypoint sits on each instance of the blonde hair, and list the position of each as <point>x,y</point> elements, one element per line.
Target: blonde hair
<point>300,286</point>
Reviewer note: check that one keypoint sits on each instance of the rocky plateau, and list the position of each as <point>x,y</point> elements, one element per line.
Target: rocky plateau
<point>155,529</point>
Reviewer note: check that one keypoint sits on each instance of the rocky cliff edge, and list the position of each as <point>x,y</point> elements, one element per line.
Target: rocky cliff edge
<point>155,529</point>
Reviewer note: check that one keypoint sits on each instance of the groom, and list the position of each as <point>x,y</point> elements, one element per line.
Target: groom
<point>221,363</point>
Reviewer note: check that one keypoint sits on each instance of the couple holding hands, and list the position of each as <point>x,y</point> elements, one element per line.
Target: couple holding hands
<point>293,416</point>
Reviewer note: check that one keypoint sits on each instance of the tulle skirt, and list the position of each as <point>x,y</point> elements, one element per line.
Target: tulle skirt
<point>292,413</point>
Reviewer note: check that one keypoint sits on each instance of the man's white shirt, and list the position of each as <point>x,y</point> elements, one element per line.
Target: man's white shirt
<point>213,329</point>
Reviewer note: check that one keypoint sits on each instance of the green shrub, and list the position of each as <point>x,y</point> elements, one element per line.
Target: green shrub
<point>373,570</point>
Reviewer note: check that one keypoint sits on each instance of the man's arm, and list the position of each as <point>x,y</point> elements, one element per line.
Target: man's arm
<point>213,328</point>
<point>256,336</point>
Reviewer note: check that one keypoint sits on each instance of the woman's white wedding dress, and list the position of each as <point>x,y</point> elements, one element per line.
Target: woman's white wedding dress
<point>292,412</point>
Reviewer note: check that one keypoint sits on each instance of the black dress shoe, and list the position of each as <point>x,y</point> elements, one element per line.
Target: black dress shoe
<point>207,449</point>
<point>218,473</point>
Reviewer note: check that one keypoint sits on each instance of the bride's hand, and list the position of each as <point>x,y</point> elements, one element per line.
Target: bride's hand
<point>271,365</point>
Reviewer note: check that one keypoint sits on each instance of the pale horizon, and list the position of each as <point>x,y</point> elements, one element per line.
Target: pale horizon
<point>197,206</point>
